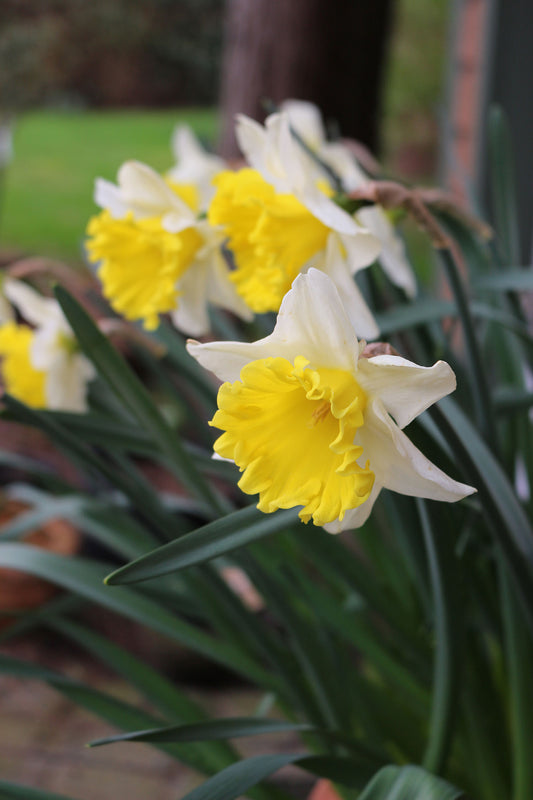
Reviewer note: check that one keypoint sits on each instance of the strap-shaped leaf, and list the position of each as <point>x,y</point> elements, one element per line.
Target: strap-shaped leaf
<point>517,279</point>
<point>85,578</point>
<point>17,791</point>
<point>429,310</point>
<point>212,730</point>
<point>503,187</point>
<point>409,783</point>
<point>237,779</point>
<point>502,509</point>
<point>212,540</point>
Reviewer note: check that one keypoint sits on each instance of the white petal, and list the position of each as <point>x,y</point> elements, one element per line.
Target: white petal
<point>361,250</point>
<point>252,140</point>
<point>393,256</point>
<point>191,314</point>
<point>185,146</point>
<point>405,389</point>
<point>399,465</point>
<point>192,160</point>
<point>297,167</point>
<point>66,384</point>
<point>7,313</point>
<point>221,291</point>
<point>194,165</point>
<point>311,322</point>
<point>109,196</point>
<point>328,212</point>
<point>306,119</point>
<point>145,192</point>
<point>34,308</point>
<point>336,268</point>
<point>343,162</point>
<point>44,347</point>
<point>357,516</point>
<point>177,221</point>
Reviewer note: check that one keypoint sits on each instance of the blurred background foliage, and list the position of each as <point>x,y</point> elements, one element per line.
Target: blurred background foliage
<point>76,75</point>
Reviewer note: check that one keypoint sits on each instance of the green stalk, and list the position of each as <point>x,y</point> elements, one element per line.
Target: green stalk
<point>444,667</point>
<point>480,387</point>
<point>519,649</point>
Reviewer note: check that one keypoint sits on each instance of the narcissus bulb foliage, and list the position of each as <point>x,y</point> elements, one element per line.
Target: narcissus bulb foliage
<point>306,120</point>
<point>156,253</point>
<point>280,220</point>
<point>312,424</point>
<point>42,366</point>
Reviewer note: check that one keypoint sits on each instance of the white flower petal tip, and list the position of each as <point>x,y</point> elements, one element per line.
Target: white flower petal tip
<point>285,396</point>
<point>406,389</point>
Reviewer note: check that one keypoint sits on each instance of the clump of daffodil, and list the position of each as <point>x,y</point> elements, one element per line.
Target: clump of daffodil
<point>157,252</point>
<point>42,365</point>
<point>280,219</point>
<point>311,423</point>
<point>306,120</point>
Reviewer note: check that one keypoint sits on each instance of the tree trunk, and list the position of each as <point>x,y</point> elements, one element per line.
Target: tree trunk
<point>330,52</point>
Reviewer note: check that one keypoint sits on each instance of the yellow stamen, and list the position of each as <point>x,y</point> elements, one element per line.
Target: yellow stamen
<point>20,377</point>
<point>272,236</point>
<point>291,431</point>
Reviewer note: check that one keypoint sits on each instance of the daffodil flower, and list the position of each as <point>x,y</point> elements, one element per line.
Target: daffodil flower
<point>156,254</point>
<point>281,220</point>
<point>193,164</point>
<point>42,366</point>
<point>311,423</point>
<point>306,120</point>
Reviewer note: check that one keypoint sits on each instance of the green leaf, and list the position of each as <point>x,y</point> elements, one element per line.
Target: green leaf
<point>207,731</point>
<point>447,625</point>
<point>186,366</point>
<point>135,397</point>
<point>158,689</point>
<point>479,385</point>
<point>85,578</point>
<point>517,279</point>
<point>503,191</point>
<point>110,525</point>
<point>237,779</point>
<point>116,469</point>
<point>41,474</point>
<point>519,652</point>
<point>17,791</point>
<point>429,310</point>
<point>502,509</point>
<point>409,783</point>
<point>420,312</point>
<point>212,540</point>
<point>509,399</point>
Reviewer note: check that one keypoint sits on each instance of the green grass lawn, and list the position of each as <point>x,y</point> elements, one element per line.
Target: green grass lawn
<point>47,195</point>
